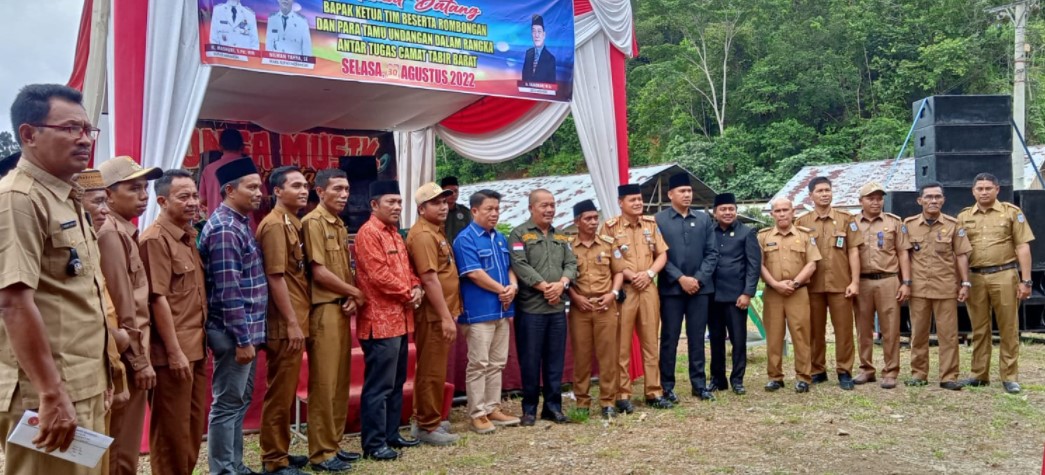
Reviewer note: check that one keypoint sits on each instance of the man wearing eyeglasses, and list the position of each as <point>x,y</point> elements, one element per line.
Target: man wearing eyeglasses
<point>50,284</point>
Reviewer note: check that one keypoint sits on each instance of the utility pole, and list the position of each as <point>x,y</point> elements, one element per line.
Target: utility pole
<point>1017,12</point>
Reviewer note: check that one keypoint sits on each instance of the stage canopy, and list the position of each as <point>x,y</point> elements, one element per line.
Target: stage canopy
<point>146,62</point>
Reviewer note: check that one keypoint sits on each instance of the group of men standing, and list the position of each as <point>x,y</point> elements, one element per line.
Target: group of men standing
<point>100,320</point>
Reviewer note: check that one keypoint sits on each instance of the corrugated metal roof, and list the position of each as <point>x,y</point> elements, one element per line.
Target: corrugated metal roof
<point>568,191</point>
<point>847,178</point>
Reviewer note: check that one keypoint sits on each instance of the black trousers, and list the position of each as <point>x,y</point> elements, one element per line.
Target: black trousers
<point>725,319</point>
<point>673,309</point>
<point>381,402</point>
<point>540,340</point>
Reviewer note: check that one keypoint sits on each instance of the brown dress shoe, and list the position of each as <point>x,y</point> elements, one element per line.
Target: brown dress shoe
<point>888,383</point>
<point>501,419</point>
<point>864,378</point>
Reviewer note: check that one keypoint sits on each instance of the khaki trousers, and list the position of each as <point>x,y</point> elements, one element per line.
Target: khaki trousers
<point>329,348</point>
<point>641,313</point>
<point>879,296</point>
<point>487,355</point>
<point>178,420</point>
<point>946,312</point>
<point>841,311</point>
<point>18,460</point>
<point>283,372</point>
<point>433,352</point>
<point>127,425</point>
<point>995,292</point>
<point>594,334</point>
<point>792,312</point>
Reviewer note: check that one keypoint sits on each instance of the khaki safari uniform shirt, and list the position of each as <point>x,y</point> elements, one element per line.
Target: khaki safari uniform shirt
<point>430,251</point>
<point>835,233</point>
<point>883,236</point>
<point>595,266</point>
<point>128,285</point>
<point>935,249</point>
<point>636,245</point>
<point>785,253</point>
<point>42,223</point>
<point>280,237</point>
<point>994,233</point>
<point>176,272</point>
<point>326,244</point>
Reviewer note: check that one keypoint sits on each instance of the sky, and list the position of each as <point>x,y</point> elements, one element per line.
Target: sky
<point>39,42</point>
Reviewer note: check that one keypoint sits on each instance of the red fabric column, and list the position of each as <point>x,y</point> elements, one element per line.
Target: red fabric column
<point>620,109</point>
<point>83,47</point>
<point>130,19</point>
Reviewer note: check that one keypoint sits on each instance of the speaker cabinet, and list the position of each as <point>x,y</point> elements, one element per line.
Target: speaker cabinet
<point>1032,202</point>
<point>979,139</point>
<point>959,169</point>
<point>902,203</point>
<point>963,110</point>
<point>959,198</point>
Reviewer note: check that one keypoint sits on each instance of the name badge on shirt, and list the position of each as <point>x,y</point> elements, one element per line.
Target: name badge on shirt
<point>840,242</point>
<point>68,225</point>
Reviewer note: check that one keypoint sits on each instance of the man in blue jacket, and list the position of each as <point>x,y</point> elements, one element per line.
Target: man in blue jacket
<point>685,286</point>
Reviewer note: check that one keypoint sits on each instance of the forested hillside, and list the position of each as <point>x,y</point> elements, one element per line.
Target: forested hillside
<point>746,92</point>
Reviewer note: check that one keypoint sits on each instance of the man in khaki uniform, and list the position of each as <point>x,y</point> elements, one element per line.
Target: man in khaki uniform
<point>789,257</point>
<point>939,262</point>
<point>835,282</point>
<point>883,256</point>
<point>334,298</point>
<point>642,253</point>
<point>126,280</point>
<point>178,352</point>
<point>1001,277</point>
<point>279,236</point>
<point>51,286</point>
<point>593,310</point>
<point>436,319</point>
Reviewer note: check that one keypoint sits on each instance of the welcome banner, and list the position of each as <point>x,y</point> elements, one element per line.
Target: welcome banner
<point>519,48</point>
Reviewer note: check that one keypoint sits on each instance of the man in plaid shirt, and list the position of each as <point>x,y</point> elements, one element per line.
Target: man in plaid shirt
<point>237,297</point>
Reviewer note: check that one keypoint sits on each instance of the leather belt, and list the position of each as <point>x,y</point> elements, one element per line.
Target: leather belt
<point>878,276</point>
<point>994,269</point>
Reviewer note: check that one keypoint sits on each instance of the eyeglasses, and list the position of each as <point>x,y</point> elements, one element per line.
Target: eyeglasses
<point>76,130</point>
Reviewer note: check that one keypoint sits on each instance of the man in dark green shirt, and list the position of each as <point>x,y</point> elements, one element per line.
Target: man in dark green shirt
<point>459,215</point>
<point>545,265</point>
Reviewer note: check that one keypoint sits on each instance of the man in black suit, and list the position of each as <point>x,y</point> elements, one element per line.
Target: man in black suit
<point>539,65</point>
<point>736,279</point>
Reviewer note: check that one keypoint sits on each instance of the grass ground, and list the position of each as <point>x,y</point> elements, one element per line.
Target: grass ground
<point>869,430</point>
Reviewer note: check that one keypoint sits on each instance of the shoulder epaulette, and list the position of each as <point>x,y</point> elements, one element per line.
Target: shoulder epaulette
<point>606,238</point>
<point>1010,205</point>
<point>803,229</point>
<point>967,208</point>
<point>17,181</point>
<point>611,222</point>
<point>912,218</point>
<point>947,217</point>
<point>807,213</point>
<point>765,230</point>
<point>894,216</point>
<point>650,219</point>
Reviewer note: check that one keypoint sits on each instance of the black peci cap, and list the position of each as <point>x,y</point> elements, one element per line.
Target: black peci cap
<point>583,207</point>
<point>383,187</point>
<point>677,180</point>
<point>449,181</point>
<point>725,199</point>
<point>628,189</point>
<point>235,170</point>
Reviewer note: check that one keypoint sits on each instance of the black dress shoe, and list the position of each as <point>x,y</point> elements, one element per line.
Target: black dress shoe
<point>845,381</point>
<point>1011,387</point>
<point>625,406</point>
<point>297,461</point>
<point>718,386</point>
<point>333,464</point>
<point>973,382</point>
<point>801,387</point>
<point>738,389</point>
<point>671,396</point>
<point>951,385</point>
<point>556,417</point>
<point>383,454</point>
<point>819,378</point>
<point>704,394</point>
<point>609,413</point>
<point>348,456</point>
<point>774,385</point>
<point>288,470</point>
<point>399,442</point>
<point>527,420</point>
<point>659,403</point>
<point>248,471</point>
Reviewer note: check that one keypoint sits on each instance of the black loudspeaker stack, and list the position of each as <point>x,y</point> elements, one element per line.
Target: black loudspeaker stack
<point>1032,202</point>
<point>955,138</point>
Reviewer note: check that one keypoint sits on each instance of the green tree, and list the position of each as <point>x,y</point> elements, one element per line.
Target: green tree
<point>7,144</point>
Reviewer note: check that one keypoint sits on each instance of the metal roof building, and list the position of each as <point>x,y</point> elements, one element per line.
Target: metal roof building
<point>572,189</point>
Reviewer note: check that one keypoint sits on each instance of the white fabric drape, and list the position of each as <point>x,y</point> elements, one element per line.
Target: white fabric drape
<point>523,135</point>
<point>175,83</point>
<point>94,77</point>
<point>616,21</point>
<point>593,114</point>
<point>416,166</point>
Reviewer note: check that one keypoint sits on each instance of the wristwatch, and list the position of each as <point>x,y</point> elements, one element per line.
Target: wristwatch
<point>966,284</point>
<point>566,285</point>
<point>906,282</point>
<point>1028,283</point>
<point>650,273</point>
